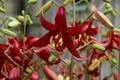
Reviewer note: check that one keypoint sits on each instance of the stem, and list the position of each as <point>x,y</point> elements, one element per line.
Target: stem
<point>85,45</point>
<point>71,64</point>
<point>119,66</point>
<point>3,22</point>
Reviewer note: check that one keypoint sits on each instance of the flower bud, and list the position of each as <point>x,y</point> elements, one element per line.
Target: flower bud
<point>108,1</point>
<point>21,18</point>
<point>98,47</point>
<point>44,8</point>
<point>15,74</point>
<point>94,64</point>
<point>29,20</point>
<point>103,19</point>
<point>2,0</point>
<point>116,75</point>
<point>108,6</point>
<point>14,24</point>
<point>66,2</point>
<point>34,76</point>
<point>11,19</point>
<point>108,11</point>
<point>8,32</point>
<point>32,1</point>
<point>116,29</point>
<point>2,10</point>
<point>49,73</point>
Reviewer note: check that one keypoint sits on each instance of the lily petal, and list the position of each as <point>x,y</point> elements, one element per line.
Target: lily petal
<point>44,52</point>
<point>78,30</point>
<point>70,45</point>
<point>93,31</point>
<point>43,41</point>
<point>15,46</point>
<point>47,25</point>
<point>60,19</point>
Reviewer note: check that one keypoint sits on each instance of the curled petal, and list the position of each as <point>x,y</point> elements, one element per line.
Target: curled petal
<point>60,19</point>
<point>78,30</point>
<point>93,31</point>
<point>44,53</point>
<point>49,73</point>
<point>15,46</point>
<point>15,74</point>
<point>47,25</point>
<point>34,76</point>
<point>43,41</point>
<point>70,45</point>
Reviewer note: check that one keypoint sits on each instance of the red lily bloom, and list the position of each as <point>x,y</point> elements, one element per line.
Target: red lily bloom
<point>111,42</point>
<point>59,33</point>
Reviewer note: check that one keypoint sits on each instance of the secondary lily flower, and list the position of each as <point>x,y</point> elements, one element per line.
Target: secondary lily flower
<point>111,42</point>
<point>59,33</point>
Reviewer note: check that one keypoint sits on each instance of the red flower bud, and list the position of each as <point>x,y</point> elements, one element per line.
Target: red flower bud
<point>15,74</point>
<point>34,76</point>
<point>115,74</point>
<point>49,73</point>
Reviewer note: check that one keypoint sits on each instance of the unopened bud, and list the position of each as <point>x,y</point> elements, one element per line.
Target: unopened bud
<point>32,1</point>
<point>116,29</point>
<point>29,20</point>
<point>2,10</point>
<point>108,1</point>
<point>44,8</point>
<point>95,64</point>
<point>21,18</point>
<point>103,19</point>
<point>34,76</point>
<point>14,24</point>
<point>97,46</point>
<point>66,2</point>
<point>108,6</point>
<point>108,11</point>
<point>8,32</point>
<point>11,19</point>
<point>49,73</point>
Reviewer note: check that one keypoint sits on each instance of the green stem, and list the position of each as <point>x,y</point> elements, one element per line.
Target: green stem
<point>71,66</point>
<point>119,66</point>
<point>3,22</point>
<point>72,59</point>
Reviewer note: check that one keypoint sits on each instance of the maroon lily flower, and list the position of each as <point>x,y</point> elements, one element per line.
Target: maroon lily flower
<point>34,75</point>
<point>111,42</point>
<point>59,33</point>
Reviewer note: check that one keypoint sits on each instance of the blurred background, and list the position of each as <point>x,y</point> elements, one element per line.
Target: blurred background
<point>14,8</point>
